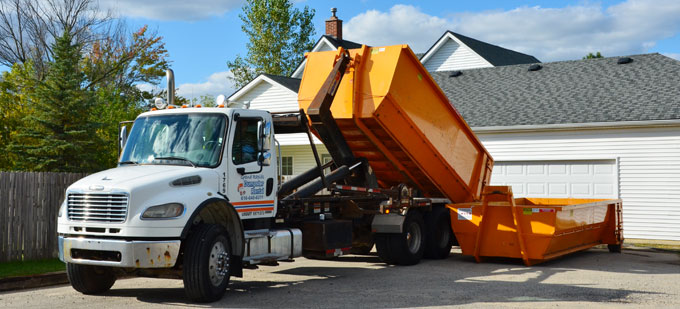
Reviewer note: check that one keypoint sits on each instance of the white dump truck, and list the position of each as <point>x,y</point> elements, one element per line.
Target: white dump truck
<point>197,193</point>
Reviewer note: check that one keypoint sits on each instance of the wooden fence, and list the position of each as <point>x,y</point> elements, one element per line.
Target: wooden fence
<point>29,205</point>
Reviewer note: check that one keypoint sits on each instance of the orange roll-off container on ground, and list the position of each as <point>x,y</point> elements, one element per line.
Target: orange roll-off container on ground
<point>534,229</point>
<point>391,112</point>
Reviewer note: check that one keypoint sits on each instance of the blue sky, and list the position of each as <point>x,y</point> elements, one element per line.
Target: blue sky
<point>201,35</point>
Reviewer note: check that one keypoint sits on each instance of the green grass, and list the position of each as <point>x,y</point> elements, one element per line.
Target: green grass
<point>675,248</point>
<point>13,269</point>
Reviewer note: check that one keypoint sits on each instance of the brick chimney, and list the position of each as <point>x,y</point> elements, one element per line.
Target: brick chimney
<point>334,26</point>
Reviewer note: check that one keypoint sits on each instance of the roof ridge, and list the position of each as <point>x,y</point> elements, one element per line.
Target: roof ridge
<point>554,62</point>
<point>494,54</point>
<point>486,43</point>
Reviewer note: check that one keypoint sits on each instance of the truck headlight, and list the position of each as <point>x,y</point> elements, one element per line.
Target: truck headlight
<point>169,210</point>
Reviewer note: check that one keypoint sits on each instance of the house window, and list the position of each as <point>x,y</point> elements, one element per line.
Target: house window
<point>325,158</point>
<point>286,166</point>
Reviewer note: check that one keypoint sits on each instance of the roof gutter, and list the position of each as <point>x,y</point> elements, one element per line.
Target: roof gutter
<point>578,126</point>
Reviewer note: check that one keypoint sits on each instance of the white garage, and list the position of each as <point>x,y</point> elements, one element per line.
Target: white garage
<point>559,179</point>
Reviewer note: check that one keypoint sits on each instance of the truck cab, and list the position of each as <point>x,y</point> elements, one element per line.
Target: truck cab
<point>184,173</point>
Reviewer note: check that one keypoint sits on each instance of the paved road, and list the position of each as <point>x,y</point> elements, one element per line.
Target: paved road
<point>594,278</point>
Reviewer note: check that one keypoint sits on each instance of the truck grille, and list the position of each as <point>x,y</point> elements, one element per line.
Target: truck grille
<point>97,207</point>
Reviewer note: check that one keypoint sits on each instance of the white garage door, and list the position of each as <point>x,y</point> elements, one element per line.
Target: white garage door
<point>558,179</point>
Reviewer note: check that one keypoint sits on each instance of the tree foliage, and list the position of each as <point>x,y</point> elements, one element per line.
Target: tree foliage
<point>29,28</point>
<point>60,111</point>
<point>59,135</point>
<point>17,91</point>
<point>593,56</point>
<point>278,35</point>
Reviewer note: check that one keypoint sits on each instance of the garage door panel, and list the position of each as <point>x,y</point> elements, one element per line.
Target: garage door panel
<point>604,189</point>
<point>556,169</point>
<point>582,189</point>
<point>535,170</point>
<point>559,179</point>
<point>558,189</point>
<point>580,169</point>
<point>514,169</point>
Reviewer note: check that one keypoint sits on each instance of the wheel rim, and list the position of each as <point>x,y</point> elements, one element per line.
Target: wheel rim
<point>413,238</point>
<point>219,263</point>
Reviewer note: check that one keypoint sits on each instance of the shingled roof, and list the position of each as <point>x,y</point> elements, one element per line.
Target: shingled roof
<point>338,43</point>
<point>288,82</point>
<point>581,91</point>
<point>496,55</point>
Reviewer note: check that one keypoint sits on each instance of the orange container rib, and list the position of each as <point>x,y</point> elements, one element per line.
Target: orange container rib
<point>391,112</point>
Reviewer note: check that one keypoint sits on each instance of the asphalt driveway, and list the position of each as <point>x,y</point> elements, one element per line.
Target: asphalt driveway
<point>594,278</point>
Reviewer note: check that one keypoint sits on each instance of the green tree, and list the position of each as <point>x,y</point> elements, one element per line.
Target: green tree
<point>17,90</point>
<point>59,135</point>
<point>113,69</point>
<point>593,56</point>
<point>278,35</point>
<point>204,101</point>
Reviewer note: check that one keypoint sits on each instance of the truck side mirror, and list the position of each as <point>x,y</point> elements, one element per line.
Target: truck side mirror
<point>264,132</point>
<point>264,159</point>
<point>122,138</point>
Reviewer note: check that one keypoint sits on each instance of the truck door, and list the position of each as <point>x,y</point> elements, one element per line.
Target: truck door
<point>252,170</point>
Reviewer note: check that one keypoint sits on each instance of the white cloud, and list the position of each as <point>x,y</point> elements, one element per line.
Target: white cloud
<point>549,34</point>
<point>172,9</point>
<point>216,84</point>
<point>146,87</point>
<point>675,56</point>
<point>402,24</point>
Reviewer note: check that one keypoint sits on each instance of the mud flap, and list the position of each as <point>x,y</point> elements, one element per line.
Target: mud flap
<point>388,223</point>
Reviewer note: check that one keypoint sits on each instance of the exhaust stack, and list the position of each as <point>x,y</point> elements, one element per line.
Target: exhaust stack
<point>170,76</point>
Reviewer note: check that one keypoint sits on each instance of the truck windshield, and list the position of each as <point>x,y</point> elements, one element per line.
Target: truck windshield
<point>188,139</point>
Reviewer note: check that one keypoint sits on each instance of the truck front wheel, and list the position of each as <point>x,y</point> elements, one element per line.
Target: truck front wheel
<point>88,279</point>
<point>405,248</point>
<point>206,267</point>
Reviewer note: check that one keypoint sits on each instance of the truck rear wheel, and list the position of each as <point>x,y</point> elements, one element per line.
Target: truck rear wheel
<point>438,233</point>
<point>615,248</point>
<point>206,268</point>
<point>89,279</point>
<point>405,248</point>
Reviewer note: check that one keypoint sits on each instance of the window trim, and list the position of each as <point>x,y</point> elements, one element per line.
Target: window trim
<point>292,164</point>
<point>237,118</point>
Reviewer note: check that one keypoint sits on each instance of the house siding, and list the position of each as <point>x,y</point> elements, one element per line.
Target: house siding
<point>303,158</point>
<point>273,98</point>
<point>296,139</point>
<point>648,162</point>
<point>454,56</point>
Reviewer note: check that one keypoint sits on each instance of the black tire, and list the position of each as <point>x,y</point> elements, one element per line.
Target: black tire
<point>88,279</point>
<point>614,248</point>
<point>438,234</point>
<point>206,268</point>
<point>405,248</point>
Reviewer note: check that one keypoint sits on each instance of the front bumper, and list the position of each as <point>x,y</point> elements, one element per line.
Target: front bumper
<point>119,253</point>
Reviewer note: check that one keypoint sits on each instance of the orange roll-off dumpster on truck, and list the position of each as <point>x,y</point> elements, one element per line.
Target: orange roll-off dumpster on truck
<point>386,109</point>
